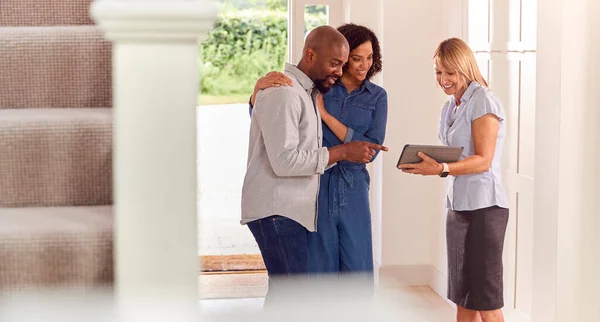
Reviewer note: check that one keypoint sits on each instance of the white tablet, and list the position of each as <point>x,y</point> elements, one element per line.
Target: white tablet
<point>439,153</point>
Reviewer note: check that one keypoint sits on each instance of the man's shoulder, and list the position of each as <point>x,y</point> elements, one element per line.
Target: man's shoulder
<point>291,93</point>
<point>278,98</point>
<point>280,90</point>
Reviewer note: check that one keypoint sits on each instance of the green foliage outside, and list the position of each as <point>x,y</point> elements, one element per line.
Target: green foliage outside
<point>277,5</point>
<point>240,49</point>
<point>243,46</point>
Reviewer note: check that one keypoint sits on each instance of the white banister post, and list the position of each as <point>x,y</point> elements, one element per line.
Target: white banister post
<point>155,87</point>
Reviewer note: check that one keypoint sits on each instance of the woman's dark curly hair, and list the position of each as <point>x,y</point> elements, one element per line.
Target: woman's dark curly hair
<point>358,35</point>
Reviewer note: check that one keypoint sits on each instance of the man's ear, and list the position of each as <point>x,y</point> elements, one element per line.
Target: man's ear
<point>311,55</point>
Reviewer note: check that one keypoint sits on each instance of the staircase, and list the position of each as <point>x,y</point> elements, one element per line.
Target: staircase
<point>55,147</point>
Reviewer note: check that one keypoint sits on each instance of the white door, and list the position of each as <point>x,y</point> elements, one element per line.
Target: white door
<point>522,55</point>
<point>503,36</point>
<point>297,21</point>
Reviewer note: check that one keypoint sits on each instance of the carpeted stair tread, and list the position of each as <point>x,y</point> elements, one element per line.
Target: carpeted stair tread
<point>55,157</point>
<point>65,66</point>
<point>45,13</point>
<point>56,246</point>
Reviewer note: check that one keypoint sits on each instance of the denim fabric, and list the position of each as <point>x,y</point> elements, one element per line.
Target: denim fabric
<point>283,245</point>
<point>343,241</point>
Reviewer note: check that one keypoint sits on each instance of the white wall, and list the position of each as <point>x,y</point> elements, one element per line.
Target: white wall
<point>566,250</point>
<point>454,17</point>
<point>411,31</point>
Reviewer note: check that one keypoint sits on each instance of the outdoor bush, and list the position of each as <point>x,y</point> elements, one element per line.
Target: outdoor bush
<point>242,47</point>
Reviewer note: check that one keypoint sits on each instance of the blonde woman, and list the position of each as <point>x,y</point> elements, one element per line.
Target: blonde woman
<point>477,205</point>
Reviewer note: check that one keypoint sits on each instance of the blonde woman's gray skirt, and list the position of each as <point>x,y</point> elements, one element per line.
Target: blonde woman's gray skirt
<point>475,241</point>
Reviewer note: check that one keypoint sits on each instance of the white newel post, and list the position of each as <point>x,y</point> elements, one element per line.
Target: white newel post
<point>155,87</point>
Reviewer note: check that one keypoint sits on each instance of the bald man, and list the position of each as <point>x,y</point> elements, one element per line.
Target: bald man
<point>286,157</point>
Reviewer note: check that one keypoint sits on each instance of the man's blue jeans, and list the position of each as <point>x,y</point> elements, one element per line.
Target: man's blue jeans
<point>283,245</point>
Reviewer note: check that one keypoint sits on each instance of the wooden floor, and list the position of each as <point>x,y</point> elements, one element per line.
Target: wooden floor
<point>242,294</point>
<point>231,263</point>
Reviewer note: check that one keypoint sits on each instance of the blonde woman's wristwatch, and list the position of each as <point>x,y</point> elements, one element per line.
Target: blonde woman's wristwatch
<point>445,170</point>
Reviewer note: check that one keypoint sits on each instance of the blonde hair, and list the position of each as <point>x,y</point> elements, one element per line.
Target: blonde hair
<point>455,54</point>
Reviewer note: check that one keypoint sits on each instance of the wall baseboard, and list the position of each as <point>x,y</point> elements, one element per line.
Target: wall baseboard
<point>439,284</point>
<point>416,275</point>
<point>513,315</point>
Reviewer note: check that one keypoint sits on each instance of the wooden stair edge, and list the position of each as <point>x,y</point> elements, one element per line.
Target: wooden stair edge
<point>231,263</point>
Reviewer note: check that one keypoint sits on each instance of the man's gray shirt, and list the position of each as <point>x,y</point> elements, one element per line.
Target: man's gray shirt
<point>285,153</point>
